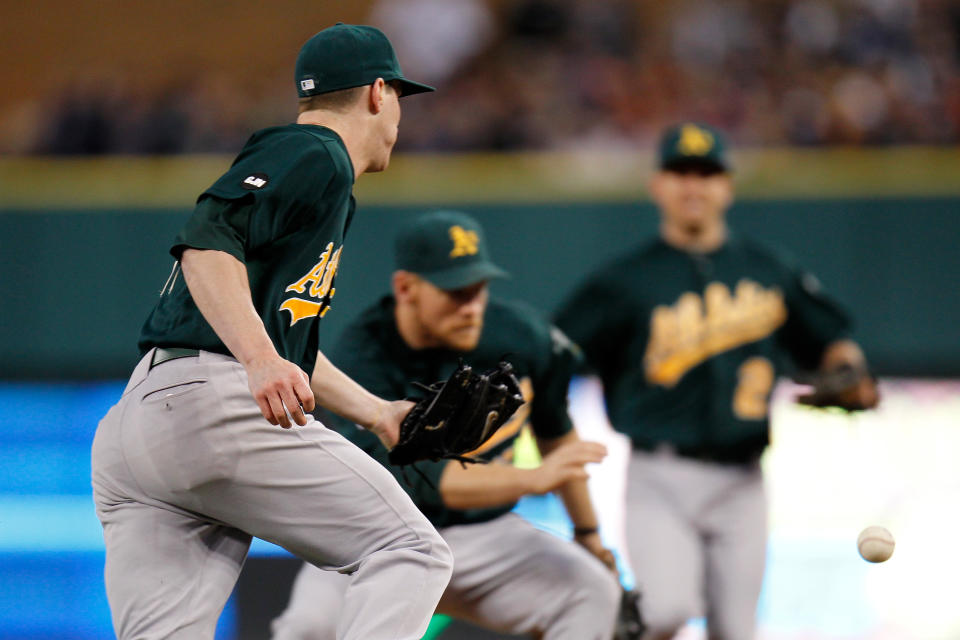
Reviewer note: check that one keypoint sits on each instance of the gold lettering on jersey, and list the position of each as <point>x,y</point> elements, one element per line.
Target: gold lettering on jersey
<point>695,328</point>
<point>694,141</point>
<point>300,309</point>
<point>511,428</point>
<point>315,276</point>
<point>316,283</point>
<point>464,242</point>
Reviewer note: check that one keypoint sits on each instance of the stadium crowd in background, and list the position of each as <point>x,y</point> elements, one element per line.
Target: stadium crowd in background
<point>554,74</point>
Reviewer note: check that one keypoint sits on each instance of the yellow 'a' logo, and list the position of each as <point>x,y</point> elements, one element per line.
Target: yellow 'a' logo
<point>317,283</point>
<point>464,242</point>
<point>694,141</point>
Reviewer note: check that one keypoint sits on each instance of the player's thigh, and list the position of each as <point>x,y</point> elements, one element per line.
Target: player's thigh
<point>201,444</point>
<point>167,574</point>
<point>736,558</point>
<point>313,609</point>
<point>313,492</point>
<point>663,544</point>
<point>512,577</point>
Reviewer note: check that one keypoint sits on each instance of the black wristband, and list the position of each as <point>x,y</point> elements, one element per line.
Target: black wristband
<point>584,531</point>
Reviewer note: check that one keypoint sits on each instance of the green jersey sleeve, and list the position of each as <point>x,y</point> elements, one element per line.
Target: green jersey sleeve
<point>814,320</point>
<point>549,417</point>
<point>218,224</point>
<point>599,319</point>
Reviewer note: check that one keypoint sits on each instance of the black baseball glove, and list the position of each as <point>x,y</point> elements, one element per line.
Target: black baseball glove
<point>847,387</point>
<point>630,624</point>
<point>457,415</point>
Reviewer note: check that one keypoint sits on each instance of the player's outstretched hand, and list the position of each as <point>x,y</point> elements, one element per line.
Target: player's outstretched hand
<point>281,389</point>
<point>565,463</point>
<point>847,387</point>
<point>387,426</point>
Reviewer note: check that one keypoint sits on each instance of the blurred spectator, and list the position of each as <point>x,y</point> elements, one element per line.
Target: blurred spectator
<point>84,121</point>
<point>433,37</point>
<point>559,74</point>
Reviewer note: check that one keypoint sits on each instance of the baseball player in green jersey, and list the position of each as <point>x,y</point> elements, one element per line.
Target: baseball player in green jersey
<point>688,334</point>
<point>190,464</point>
<point>508,575</point>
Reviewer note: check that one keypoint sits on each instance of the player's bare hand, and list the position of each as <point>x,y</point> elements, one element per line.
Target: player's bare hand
<point>281,389</point>
<point>592,543</point>
<point>565,464</point>
<point>387,425</point>
<point>846,386</point>
<point>864,394</point>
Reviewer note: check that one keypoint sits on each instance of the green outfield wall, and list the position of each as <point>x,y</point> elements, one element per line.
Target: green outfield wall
<point>83,243</point>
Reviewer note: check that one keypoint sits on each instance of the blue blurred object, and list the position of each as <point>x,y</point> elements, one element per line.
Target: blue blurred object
<point>45,443</point>
<point>51,543</point>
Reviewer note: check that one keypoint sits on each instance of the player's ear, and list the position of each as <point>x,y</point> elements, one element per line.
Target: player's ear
<point>404,284</point>
<point>376,95</point>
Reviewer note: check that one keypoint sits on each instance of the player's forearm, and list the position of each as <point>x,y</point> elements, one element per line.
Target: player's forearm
<point>479,486</point>
<point>339,393</point>
<point>219,285</point>
<point>576,499</point>
<point>575,493</point>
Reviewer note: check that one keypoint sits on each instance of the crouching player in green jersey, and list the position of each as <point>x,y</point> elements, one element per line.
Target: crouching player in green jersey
<point>508,575</point>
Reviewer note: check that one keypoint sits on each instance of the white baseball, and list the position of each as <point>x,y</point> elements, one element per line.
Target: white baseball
<point>875,544</point>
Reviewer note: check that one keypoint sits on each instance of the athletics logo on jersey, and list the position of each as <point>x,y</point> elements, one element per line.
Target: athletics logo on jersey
<point>695,328</point>
<point>694,141</point>
<point>255,181</point>
<point>316,283</point>
<point>464,242</point>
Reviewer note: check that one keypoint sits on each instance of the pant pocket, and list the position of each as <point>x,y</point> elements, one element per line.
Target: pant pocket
<point>173,391</point>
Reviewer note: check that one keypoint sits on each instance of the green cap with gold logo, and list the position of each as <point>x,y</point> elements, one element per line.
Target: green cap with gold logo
<point>447,248</point>
<point>691,144</point>
<point>349,55</point>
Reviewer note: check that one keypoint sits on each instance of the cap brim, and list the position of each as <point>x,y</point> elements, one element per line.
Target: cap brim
<point>464,276</point>
<point>409,87</point>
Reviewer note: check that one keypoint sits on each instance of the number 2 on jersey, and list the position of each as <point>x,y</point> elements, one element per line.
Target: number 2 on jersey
<point>751,397</point>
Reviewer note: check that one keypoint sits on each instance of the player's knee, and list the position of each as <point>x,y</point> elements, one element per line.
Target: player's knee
<point>599,585</point>
<point>592,590</point>
<point>732,625</point>
<point>435,554</point>
<point>304,625</point>
<point>444,558</point>
<point>663,619</point>
<point>586,597</point>
<point>600,593</point>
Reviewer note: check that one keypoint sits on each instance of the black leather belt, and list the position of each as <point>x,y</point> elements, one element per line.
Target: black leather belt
<point>162,354</point>
<point>740,455</point>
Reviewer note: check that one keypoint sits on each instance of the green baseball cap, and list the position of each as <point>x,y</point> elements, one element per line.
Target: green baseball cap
<point>447,248</point>
<point>349,55</point>
<point>691,144</point>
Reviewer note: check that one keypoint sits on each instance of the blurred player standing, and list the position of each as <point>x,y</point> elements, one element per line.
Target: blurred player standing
<point>688,333</point>
<point>189,465</point>
<point>508,576</point>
